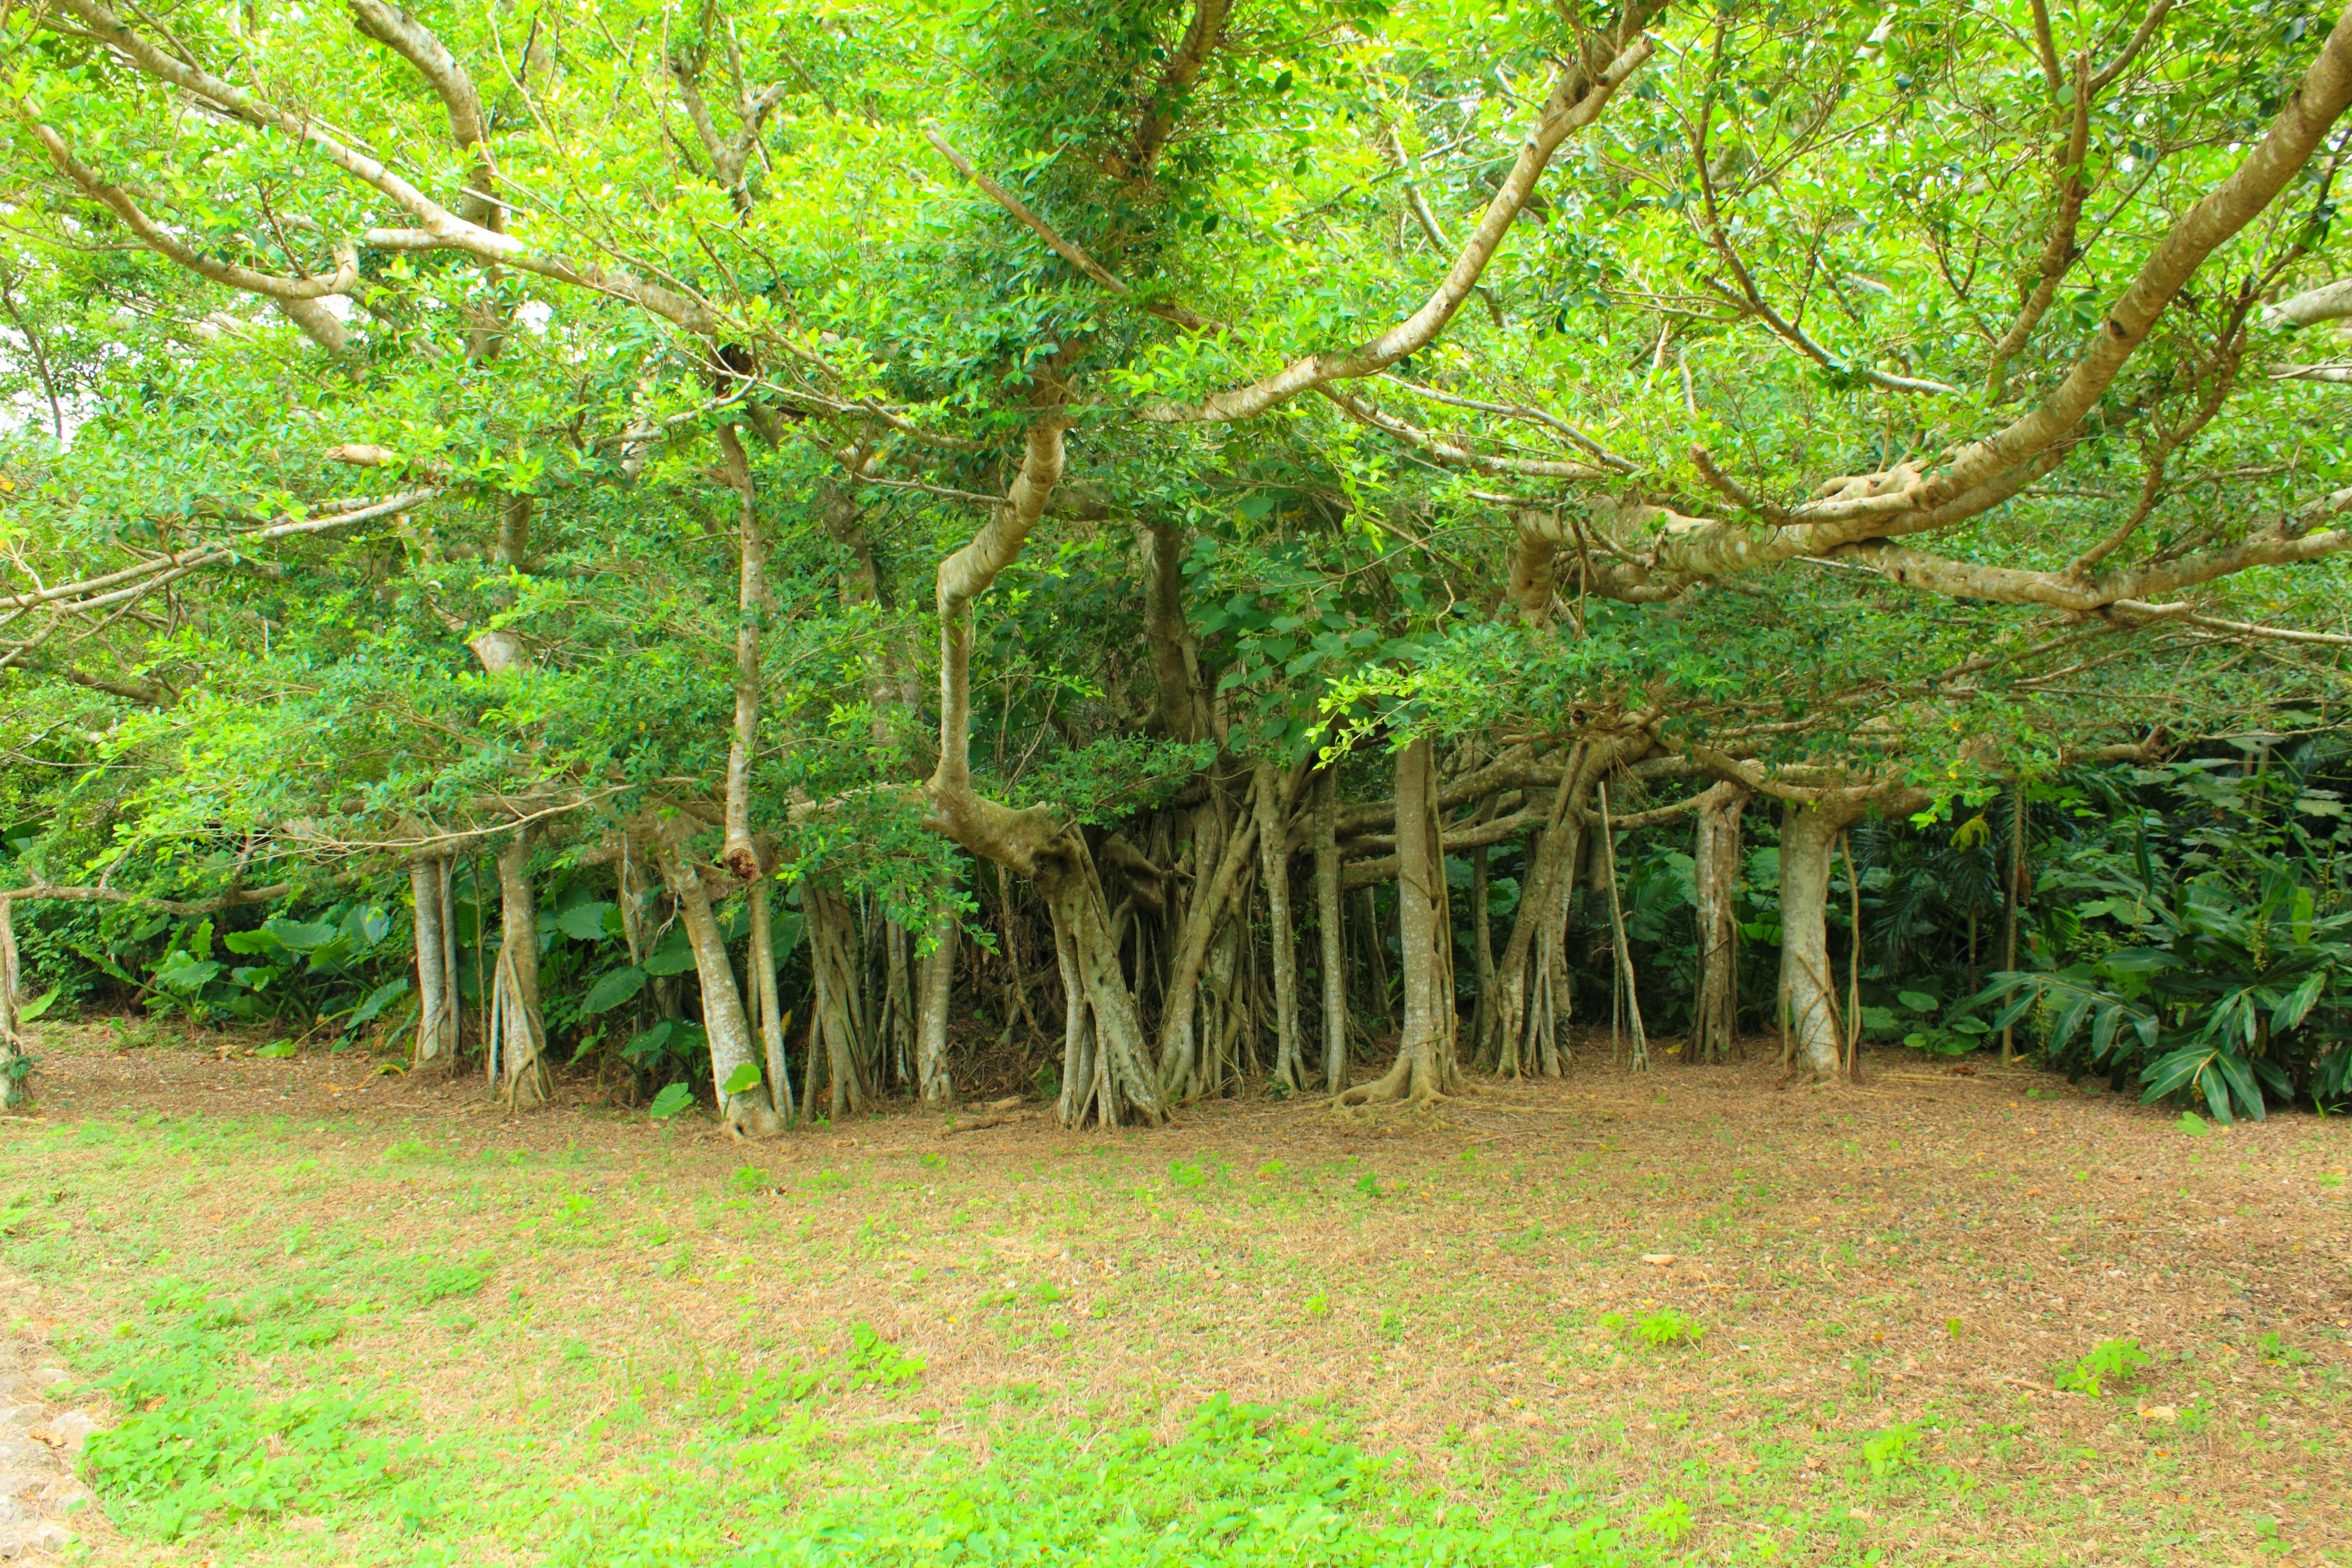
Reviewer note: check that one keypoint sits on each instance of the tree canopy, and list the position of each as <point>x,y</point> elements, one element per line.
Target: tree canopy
<point>1128,448</point>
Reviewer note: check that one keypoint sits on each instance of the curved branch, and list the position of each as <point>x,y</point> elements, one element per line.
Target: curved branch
<point>160,240</point>
<point>1578,100</point>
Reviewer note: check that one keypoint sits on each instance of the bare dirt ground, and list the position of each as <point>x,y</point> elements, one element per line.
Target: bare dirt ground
<point>1776,1306</point>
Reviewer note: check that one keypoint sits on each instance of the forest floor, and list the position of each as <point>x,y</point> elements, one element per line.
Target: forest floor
<point>334,1315</point>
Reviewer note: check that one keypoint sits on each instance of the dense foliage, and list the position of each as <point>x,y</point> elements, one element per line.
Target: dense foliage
<point>1211,505</point>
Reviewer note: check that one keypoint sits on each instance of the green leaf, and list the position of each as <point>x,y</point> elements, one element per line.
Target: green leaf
<point>299,936</point>
<point>742,1080</point>
<point>585,922</point>
<point>2194,1125</point>
<point>184,971</point>
<point>1918,1001</point>
<point>646,1045</point>
<point>38,1005</point>
<point>377,1000</point>
<point>674,956</point>
<point>2292,1010</point>
<point>670,1101</point>
<point>611,990</point>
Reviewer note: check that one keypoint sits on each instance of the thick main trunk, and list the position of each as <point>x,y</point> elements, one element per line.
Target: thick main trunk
<point>517,1059</point>
<point>725,1025</point>
<point>832,957</point>
<point>1808,988</point>
<point>1274,870</point>
<point>1179,1029</point>
<point>1332,932</point>
<point>1118,1084</point>
<point>1514,1017</point>
<point>1427,1066</point>
<point>434,1012</point>
<point>1714,1025</point>
<point>1178,705</point>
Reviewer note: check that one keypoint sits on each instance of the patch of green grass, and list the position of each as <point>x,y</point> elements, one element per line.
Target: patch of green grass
<point>1241,1484</point>
<point>2117,1359</point>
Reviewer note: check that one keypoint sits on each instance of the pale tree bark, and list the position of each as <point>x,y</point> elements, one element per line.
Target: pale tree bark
<point>1427,1068</point>
<point>1808,998</point>
<point>13,1073</point>
<point>436,1011</point>
<point>1274,870</point>
<point>725,1025</point>
<point>1811,823</point>
<point>737,852</point>
<point>1333,933</point>
<point>1714,1025</point>
<point>517,1061</point>
<point>2328,302</point>
<point>1181,1024</point>
<point>831,931</point>
<point>935,987</point>
<point>763,983</point>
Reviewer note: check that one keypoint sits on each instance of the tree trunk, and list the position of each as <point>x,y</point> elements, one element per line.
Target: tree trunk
<point>936,996</point>
<point>741,855</point>
<point>1274,870</point>
<point>1427,1068</point>
<point>1808,988</point>
<point>1123,1085</point>
<point>1482,948</point>
<point>1714,1024</point>
<point>832,957</point>
<point>749,1112</point>
<point>1333,933</point>
<point>14,1065</point>
<point>1180,1029</point>
<point>2012,904</point>
<point>763,992</point>
<point>519,1062</point>
<point>1624,949</point>
<point>434,980</point>
<point>1512,1026</point>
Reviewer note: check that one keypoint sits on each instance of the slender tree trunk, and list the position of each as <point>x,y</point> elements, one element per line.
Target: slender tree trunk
<point>763,992</point>
<point>741,855</point>
<point>1715,1027</point>
<point>1333,933</point>
<point>1808,988</point>
<point>1427,1066</point>
<point>1274,870</point>
<point>1853,956</point>
<point>13,1064</point>
<point>1623,948</point>
<point>453,993</point>
<point>433,1047</point>
<point>936,996</point>
<point>520,1059</point>
<point>1482,950</point>
<point>750,1111</point>
<point>2011,904</point>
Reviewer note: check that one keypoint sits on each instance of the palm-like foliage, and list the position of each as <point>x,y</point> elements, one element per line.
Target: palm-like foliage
<point>2227,997</point>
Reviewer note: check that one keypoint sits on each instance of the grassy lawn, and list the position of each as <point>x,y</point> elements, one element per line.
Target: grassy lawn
<point>342,1318</point>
